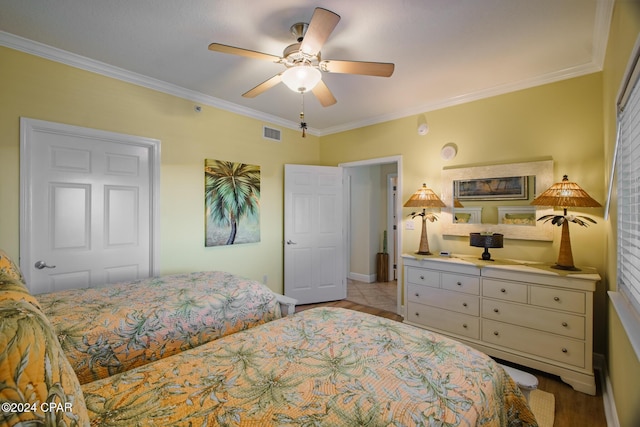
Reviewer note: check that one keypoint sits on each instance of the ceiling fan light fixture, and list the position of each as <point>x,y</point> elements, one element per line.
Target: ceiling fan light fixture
<point>301,78</point>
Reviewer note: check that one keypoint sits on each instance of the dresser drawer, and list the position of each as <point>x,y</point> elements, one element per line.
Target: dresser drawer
<point>421,276</point>
<point>509,291</point>
<point>448,321</point>
<point>558,299</point>
<point>554,347</point>
<point>569,325</point>
<point>456,301</point>
<point>461,283</point>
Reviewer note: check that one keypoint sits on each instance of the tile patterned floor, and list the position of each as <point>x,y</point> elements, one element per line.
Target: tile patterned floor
<point>382,295</point>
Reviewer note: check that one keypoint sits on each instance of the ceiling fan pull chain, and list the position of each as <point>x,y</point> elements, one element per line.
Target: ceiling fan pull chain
<point>303,124</point>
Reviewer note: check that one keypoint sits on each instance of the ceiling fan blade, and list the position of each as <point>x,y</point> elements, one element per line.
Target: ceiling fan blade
<point>264,86</point>
<point>379,69</point>
<point>322,24</point>
<point>324,95</point>
<point>217,47</point>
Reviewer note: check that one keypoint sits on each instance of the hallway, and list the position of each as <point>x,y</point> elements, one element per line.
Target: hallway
<point>381,295</point>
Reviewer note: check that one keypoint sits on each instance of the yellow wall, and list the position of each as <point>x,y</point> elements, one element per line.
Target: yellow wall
<point>37,88</point>
<point>622,362</point>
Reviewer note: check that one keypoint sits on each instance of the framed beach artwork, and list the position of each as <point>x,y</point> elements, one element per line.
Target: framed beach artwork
<point>502,188</point>
<point>232,203</point>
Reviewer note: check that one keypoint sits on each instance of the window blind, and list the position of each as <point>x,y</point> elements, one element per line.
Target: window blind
<point>628,184</point>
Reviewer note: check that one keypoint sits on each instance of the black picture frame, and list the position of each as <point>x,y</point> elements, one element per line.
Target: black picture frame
<point>499,188</point>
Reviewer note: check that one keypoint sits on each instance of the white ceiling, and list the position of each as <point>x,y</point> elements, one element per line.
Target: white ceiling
<point>445,51</point>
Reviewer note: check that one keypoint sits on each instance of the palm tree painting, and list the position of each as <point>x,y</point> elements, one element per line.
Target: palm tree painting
<point>232,203</point>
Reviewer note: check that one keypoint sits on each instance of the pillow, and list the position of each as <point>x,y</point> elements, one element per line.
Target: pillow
<point>38,384</point>
<point>9,268</point>
<point>14,289</point>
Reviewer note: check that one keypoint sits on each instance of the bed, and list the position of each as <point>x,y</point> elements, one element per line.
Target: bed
<point>319,367</point>
<point>107,330</point>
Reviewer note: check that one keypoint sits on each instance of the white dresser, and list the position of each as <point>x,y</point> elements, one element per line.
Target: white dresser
<point>527,314</point>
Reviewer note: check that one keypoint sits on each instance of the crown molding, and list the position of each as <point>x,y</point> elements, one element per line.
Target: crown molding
<point>73,60</point>
<point>471,96</point>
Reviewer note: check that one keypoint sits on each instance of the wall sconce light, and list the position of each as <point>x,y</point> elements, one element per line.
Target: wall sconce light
<point>424,198</point>
<point>565,194</point>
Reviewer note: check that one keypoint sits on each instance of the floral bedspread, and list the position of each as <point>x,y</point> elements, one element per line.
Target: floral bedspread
<point>112,329</point>
<point>320,367</point>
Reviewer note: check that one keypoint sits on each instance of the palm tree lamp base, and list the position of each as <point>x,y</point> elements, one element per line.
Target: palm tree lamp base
<point>565,256</point>
<point>423,249</point>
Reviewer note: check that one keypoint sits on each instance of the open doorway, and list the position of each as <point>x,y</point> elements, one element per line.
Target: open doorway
<point>372,228</point>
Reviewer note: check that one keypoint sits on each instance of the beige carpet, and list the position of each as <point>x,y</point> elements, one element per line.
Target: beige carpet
<point>543,405</point>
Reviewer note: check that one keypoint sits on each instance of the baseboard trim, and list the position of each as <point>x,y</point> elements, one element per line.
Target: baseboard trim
<point>610,412</point>
<point>366,278</point>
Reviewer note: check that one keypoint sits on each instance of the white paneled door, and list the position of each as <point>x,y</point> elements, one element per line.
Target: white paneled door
<point>88,206</point>
<point>313,234</point>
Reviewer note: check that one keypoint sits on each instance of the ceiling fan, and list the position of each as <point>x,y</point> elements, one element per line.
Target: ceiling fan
<point>303,62</point>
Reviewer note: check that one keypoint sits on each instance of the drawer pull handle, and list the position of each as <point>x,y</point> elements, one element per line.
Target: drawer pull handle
<point>464,325</point>
<point>417,314</point>
<point>464,304</point>
<point>496,333</point>
<point>417,294</point>
<point>459,283</point>
<point>564,350</point>
<point>495,310</point>
<point>556,299</point>
<point>565,324</point>
<point>421,277</point>
<point>503,290</point>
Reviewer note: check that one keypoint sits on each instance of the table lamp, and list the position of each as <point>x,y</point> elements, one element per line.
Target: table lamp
<point>486,241</point>
<point>424,198</point>
<point>565,194</point>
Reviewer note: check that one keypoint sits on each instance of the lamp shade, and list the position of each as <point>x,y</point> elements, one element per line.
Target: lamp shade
<point>565,194</point>
<point>482,240</point>
<point>301,78</point>
<point>486,241</point>
<point>424,198</point>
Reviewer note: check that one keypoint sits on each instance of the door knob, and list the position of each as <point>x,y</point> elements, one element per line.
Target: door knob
<point>289,242</point>
<point>42,264</point>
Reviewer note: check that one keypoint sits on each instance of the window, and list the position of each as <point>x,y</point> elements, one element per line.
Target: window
<point>627,158</point>
<point>628,179</point>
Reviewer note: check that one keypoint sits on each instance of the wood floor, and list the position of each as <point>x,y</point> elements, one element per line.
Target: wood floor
<point>572,407</point>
